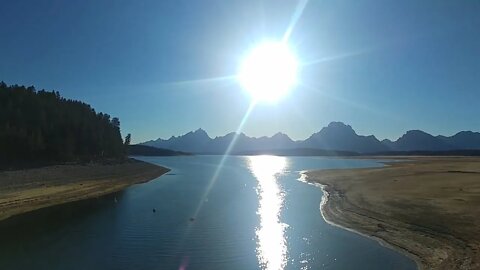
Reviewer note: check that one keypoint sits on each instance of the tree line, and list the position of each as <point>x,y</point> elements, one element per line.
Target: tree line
<point>42,127</point>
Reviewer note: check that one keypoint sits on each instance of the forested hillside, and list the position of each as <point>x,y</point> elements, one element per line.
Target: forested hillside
<point>42,127</point>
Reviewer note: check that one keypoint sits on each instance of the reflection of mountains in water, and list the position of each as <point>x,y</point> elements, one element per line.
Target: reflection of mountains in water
<point>337,136</point>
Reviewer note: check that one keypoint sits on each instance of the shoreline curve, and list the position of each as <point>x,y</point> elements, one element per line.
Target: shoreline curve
<point>23,191</point>
<point>353,199</point>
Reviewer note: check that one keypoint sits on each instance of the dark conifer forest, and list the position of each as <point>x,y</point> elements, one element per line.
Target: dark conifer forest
<point>39,127</point>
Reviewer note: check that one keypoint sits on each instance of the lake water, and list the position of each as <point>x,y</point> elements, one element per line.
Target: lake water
<point>254,213</point>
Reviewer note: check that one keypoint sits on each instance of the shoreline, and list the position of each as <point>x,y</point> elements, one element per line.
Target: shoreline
<point>326,204</point>
<point>329,217</point>
<point>22,191</point>
<point>431,243</point>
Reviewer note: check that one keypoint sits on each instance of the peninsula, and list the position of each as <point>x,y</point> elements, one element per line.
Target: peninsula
<point>425,207</point>
<point>26,190</point>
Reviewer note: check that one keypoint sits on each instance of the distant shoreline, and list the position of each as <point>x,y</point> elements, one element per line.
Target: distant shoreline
<point>412,206</point>
<point>26,190</point>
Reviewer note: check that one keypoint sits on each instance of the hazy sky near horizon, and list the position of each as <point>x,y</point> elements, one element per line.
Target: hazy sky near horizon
<point>383,67</point>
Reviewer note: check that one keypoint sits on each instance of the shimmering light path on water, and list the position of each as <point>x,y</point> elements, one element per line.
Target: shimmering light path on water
<point>271,242</point>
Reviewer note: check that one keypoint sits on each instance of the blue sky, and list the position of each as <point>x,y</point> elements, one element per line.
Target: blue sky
<point>383,67</point>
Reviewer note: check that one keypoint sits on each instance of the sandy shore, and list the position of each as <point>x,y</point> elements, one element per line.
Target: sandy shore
<point>26,190</point>
<point>426,207</point>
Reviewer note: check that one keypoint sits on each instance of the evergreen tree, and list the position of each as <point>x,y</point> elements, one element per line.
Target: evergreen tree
<point>128,138</point>
<point>43,127</point>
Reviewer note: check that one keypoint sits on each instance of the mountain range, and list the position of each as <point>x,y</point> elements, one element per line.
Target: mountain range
<point>337,136</point>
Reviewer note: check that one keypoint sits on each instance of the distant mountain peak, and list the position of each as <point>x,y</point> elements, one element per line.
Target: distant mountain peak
<point>338,124</point>
<point>467,133</point>
<point>280,135</point>
<point>416,132</point>
<point>415,135</point>
<point>338,127</point>
<point>419,140</point>
<point>199,133</point>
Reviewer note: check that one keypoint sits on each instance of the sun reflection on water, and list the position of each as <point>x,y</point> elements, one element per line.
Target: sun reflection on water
<point>271,242</point>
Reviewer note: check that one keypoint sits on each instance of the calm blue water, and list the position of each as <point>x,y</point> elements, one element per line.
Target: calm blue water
<point>252,214</point>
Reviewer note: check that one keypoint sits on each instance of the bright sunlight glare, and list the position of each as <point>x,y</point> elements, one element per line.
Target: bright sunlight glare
<point>269,71</point>
<point>271,240</point>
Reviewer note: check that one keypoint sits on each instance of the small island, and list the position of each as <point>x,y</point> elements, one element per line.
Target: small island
<point>425,207</point>
<point>55,150</point>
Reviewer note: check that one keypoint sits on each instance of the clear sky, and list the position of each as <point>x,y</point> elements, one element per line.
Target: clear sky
<point>383,67</point>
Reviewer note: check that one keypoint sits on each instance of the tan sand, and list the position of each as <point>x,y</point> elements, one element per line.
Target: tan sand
<point>425,207</point>
<point>26,190</point>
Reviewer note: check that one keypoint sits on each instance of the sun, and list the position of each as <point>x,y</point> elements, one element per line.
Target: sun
<point>269,71</point>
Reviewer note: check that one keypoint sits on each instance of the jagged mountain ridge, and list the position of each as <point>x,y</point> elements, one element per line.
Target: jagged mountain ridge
<point>336,136</point>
